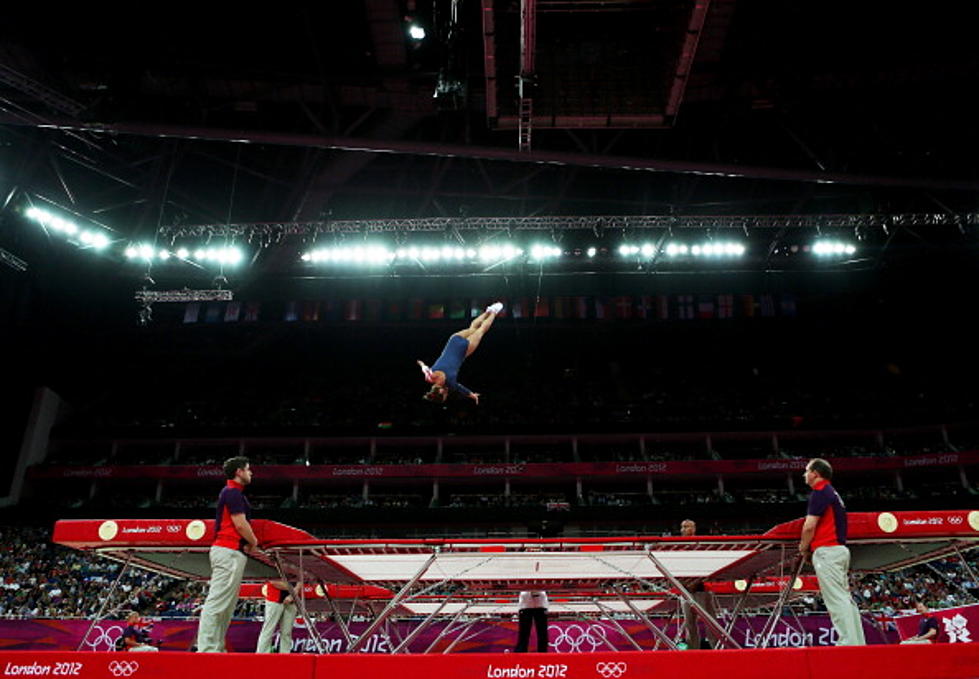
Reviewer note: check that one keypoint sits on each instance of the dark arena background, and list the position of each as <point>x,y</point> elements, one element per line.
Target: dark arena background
<point>729,236</point>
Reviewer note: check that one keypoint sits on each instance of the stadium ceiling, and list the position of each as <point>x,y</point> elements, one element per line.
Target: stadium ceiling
<point>540,115</point>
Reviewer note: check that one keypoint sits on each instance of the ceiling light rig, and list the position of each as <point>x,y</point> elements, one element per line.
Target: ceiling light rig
<point>85,238</point>
<point>146,252</point>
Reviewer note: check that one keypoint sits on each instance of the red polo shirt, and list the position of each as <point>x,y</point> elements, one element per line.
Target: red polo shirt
<point>231,501</point>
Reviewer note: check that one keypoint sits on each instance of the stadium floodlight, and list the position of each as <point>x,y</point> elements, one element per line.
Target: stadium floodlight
<point>648,250</point>
<point>416,32</point>
<point>164,255</point>
<point>96,240</point>
<point>183,253</point>
<point>541,252</point>
<point>131,252</point>
<point>832,248</point>
<point>591,252</point>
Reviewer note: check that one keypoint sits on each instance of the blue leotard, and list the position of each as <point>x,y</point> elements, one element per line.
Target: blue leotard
<point>451,360</point>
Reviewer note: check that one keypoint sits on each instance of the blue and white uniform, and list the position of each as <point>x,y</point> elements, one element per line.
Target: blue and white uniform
<point>451,360</point>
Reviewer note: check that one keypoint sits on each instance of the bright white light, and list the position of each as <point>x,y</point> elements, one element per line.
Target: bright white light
<point>36,214</point>
<point>200,254</point>
<point>146,252</point>
<point>591,252</point>
<point>695,250</point>
<point>648,250</point>
<point>851,249</point>
<point>540,252</point>
<point>470,253</point>
<point>183,253</point>
<point>164,255</point>
<point>672,250</point>
<point>416,32</point>
<point>131,252</point>
<point>305,257</point>
<point>85,237</point>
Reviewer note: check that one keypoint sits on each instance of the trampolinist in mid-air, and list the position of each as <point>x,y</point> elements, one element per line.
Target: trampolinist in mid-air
<point>444,373</point>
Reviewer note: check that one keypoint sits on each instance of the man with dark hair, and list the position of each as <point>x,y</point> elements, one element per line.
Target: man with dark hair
<point>233,539</point>
<point>824,533</point>
<point>927,627</point>
<point>691,626</point>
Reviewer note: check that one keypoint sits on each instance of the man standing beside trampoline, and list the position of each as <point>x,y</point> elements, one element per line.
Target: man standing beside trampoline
<point>824,533</point>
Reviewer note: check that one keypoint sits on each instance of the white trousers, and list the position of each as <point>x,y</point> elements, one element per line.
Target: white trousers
<point>281,616</point>
<point>832,565</point>
<point>227,569</point>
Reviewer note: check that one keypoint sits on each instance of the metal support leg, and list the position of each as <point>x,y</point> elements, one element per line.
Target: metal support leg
<point>314,633</point>
<point>769,628</point>
<point>455,641</point>
<point>394,603</point>
<point>106,600</point>
<point>445,631</point>
<point>421,627</point>
<point>657,632</point>
<point>708,619</point>
<point>620,628</point>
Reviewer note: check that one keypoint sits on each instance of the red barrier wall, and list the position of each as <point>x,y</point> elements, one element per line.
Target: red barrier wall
<point>947,661</point>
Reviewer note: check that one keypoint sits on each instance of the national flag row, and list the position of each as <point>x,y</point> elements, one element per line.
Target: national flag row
<point>570,308</point>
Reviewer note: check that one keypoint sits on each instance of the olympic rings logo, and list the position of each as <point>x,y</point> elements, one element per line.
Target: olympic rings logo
<point>123,668</point>
<point>576,638</point>
<point>611,670</point>
<point>955,520</point>
<point>106,639</point>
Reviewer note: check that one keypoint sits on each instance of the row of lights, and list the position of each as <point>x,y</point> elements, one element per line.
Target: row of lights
<point>684,250</point>
<point>381,255</point>
<point>378,254</point>
<point>145,252</point>
<point>94,239</point>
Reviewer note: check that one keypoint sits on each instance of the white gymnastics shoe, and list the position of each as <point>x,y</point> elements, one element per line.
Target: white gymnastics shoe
<point>495,308</point>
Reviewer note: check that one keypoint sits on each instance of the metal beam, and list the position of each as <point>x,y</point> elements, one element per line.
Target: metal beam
<point>592,223</point>
<point>625,163</point>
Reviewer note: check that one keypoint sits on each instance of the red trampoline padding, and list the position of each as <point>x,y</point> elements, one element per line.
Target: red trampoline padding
<point>256,590</point>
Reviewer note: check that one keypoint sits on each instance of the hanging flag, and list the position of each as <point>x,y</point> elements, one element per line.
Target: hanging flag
<point>562,307</point>
<point>685,307</point>
<point>191,312</point>
<point>663,307</point>
<point>519,308</point>
<point>416,308</point>
<point>372,310</point>
<point>579,308</point>
<point>292,313</point>
<point>542,307</point>
<point>394,310</point>
<point>311,311</point>
<point>331,310</point>
<point>767,306</point>
<point>705,308</point>
<point>457,309</point>
<point>644,307</point>
<point>251,311</point>
<point>725,306</point>
<point>788,306</point>
<point>622,308</point>
<point>748,306</point>
<point>214,312</point>
<point>232,312</point>
<point>436,311</point>
<point>602,311</point>
<point>353,310</point>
